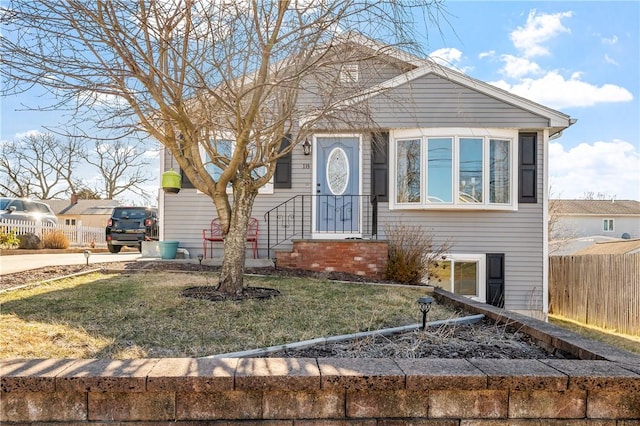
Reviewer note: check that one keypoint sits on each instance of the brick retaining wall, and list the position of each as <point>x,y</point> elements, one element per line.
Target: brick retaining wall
<point>279,391</point>
<point>603,389</point>
<point>360,257</point>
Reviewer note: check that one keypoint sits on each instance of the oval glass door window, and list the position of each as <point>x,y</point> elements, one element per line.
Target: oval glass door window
<point>337,171</point>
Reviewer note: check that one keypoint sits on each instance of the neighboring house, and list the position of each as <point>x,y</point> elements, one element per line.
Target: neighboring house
<point>587,218</point>
<point>93,213</point>
<point>457,156</point>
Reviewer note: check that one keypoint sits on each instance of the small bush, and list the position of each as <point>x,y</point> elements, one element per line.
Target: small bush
<point>412,253</point>
<point>55,240</point>
<point>8,238</point>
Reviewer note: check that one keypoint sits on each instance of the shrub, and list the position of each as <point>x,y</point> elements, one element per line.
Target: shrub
<point>55,240</point>
<point>8,238</point>
<point>412,253</point>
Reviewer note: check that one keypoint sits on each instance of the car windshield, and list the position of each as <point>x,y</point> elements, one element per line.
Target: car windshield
<point>43,208</point>
<point>4,202</point>
<point>130,213</point>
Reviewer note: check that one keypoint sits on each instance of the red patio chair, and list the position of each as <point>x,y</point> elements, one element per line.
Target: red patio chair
<point>214,233</point>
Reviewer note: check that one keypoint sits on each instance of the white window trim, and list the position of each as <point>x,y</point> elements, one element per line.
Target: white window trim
<point>349,73</point>
<point>450,132</point>
<point>481,260</point>
<point>613,225</point>
<point>266,189</point>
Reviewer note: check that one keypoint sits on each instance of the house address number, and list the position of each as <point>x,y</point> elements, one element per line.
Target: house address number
<point>306,165</point>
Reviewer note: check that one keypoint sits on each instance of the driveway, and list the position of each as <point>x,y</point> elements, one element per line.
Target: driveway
<point>24,262</point>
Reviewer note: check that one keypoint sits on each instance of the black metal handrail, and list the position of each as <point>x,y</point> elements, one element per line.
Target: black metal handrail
<point>342,215</point>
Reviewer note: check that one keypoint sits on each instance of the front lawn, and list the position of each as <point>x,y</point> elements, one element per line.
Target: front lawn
<point>145,315</point>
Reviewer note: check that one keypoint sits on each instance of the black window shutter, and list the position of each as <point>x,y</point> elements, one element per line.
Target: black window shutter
<point>186,183</point>
<point>380,165</point>
<point>495,279</point>
<point>282,176</point>
<point>527,168</point>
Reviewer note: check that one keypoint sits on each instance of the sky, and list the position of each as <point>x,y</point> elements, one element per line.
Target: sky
<point>579,57</point>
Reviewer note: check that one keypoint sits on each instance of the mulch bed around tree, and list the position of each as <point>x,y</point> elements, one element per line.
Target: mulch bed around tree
<point>210,293</point>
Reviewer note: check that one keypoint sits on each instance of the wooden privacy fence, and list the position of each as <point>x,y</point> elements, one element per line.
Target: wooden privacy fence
<point>601,290</point>
<point>78,234</point>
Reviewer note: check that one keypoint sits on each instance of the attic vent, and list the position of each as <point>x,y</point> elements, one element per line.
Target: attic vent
<point>349,73</point>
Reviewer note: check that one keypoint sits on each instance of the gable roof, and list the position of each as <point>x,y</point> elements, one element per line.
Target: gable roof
<point>82,207</point>
<point>557,121</point>
<point>597,207</point>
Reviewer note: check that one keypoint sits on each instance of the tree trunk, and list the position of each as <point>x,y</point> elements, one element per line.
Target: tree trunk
<point>232,272</point>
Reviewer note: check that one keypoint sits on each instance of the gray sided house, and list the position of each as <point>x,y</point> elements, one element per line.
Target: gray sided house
<point>588,218</point>
<point>458,157</point>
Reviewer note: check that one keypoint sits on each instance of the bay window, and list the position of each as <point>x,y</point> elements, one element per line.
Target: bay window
<point>454,168</point>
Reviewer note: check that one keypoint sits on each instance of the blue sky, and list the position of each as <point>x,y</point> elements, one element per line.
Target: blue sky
<point>581,58</point>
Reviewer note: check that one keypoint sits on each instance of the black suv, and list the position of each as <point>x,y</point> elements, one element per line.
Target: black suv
<point>130,226</point>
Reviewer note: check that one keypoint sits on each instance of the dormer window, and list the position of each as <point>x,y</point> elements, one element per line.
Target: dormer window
<point>349,73</point>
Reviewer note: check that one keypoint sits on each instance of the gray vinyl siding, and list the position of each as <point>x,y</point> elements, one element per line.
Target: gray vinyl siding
<point>371,73</point>
<point>187,213</point>
<point>432,101</point>
<point>516,234</point>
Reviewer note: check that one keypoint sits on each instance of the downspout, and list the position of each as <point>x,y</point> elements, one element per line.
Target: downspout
<point>545,226</point>
<point>545,218</point>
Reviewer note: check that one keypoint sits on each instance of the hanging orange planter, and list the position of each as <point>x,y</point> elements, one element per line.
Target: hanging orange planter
<point>171,182</point>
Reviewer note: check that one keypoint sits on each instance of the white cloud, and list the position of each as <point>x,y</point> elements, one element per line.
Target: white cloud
<point>610,41</point>
<point>610,60</point>
<point>489,54</point>
<point>29,133</point>
<point>152,154</point>
<point>95,99</point>
<point>515,67</point>
<point>600,167</point>
<point>447,56</point>
<point>537,30</point>
<point>554,91</point>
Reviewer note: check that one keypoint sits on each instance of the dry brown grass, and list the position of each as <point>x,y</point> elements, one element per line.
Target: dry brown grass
<point>144,315</point>
<point>55,240</point>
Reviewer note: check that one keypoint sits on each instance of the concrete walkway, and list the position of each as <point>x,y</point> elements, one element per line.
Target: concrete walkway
<point>24,262</point>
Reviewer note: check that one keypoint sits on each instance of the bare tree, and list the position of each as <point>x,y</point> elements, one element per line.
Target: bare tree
<point>560,232</point>
<point>206,77</point>
<point>85,193</point>
<point>122,167</point>
<point>39,165</point>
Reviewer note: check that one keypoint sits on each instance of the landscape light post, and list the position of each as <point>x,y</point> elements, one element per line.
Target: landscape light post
<point>425,306</point>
